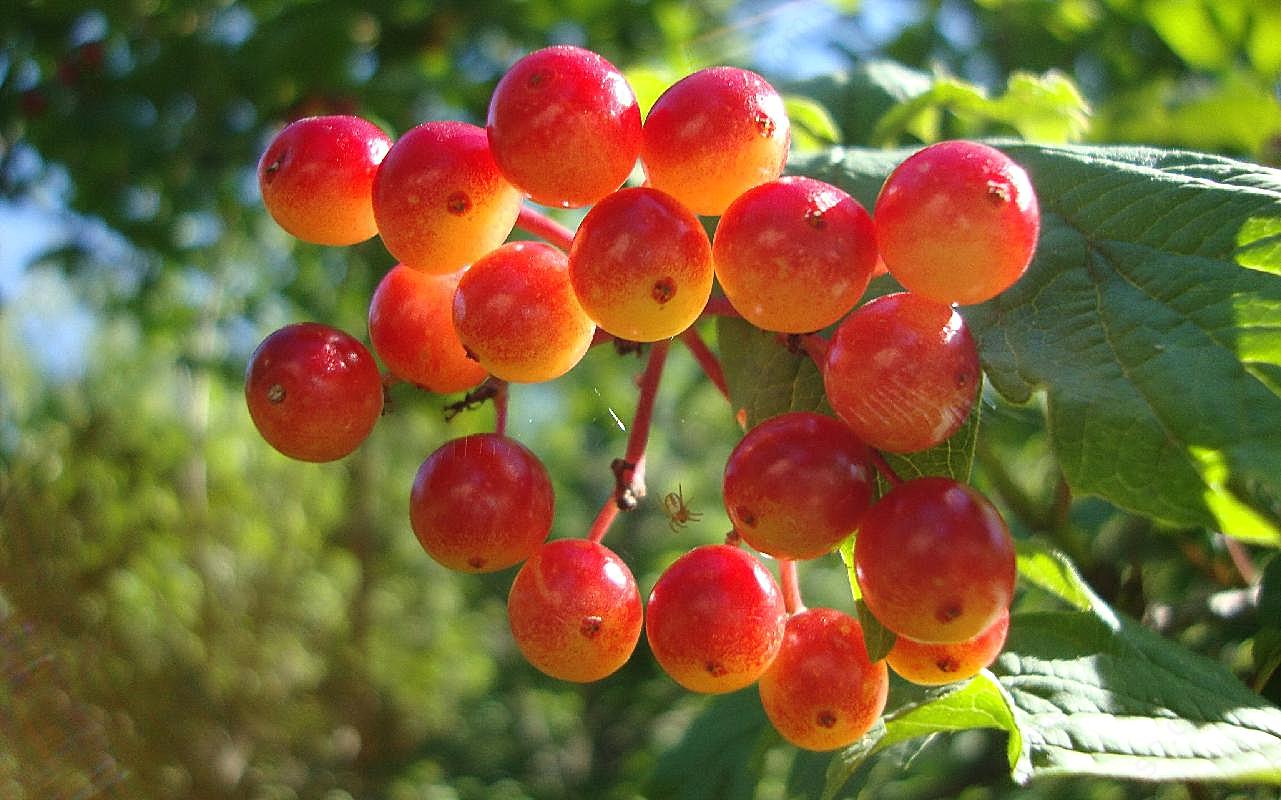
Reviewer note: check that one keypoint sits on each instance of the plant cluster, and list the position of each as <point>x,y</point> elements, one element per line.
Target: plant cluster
<point>467,310</point>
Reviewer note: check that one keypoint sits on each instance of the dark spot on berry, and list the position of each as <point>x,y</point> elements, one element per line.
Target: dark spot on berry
<point>962,380</point>
<point>765,124</point>
<point>269,173</point>
<point>715,669</point>
<point>826,719</point>
<point>458,203</point>
<point>664,290</point>
<point>814,217</point>
<point>947,664</point>
<point>539,78</point>
<point>475,562</point>
<point>948,612</point>
<point>590,626</point>
<point>745,516</point>
<point>998,192</point>
<point>276,394</point>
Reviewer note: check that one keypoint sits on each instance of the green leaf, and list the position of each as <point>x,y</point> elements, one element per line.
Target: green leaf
<point>1052,571</point>
<point>860,97</point>
<point>1236,112</point>
<point>876,637</point>
<point>980,702</point>
<point>1094,697</point>
<point>713,760</point>
<point>812,126</point>
<point>765,378</point>
<point>1045,108</point>
<point>1151,319</point>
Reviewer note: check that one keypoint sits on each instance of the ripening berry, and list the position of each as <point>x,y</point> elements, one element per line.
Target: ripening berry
<point>641,265</point>
<point>713,135</point>
<point>935,561</point>
<point>575,611</point>
<point>411,326</point>
<point>564,126</point>
<point>822,691</point>
<point>515,311</point>
<point>797,485</point>
<point>313,391</point>
<point>937,664</point>
<point>481,503</point>
<point>439,199</point>
<point>903,372</point>
<point>317,177</point>
<point>715,619</point>
<point>957,222</point>
<point>794,255</point>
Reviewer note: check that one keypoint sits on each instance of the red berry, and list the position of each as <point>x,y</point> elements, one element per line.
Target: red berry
<point>575,611</point>
<point>797,485</point>
<point>794,255</point>
<point>439,199</point>
<point>713,135</point>
<point>481,503</point>
<point>903,372</point>
<point>317,178</point>
<point>935,561</point>
<point>957,222</point>
<point>937,664</point>
<point>515,311</point>
<point>715,619</point>
<point>411,326</point>
<point>641,265</point>
<point>564,126</point>
<point>822,691</point>
<point>313,391</point>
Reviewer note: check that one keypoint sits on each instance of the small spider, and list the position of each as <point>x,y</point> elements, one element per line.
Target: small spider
<point>678,513</point>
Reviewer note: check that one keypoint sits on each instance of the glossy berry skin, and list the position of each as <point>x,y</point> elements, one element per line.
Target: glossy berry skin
<point>481,503</point>
<point>938,664</point>
<point>797,485</point>
<point>903,372</point>
<point>575,611</point>
<point>317,177</point>
<point>957,222</point>
<point>411,326</point>
<point>794,255</point>
<point>715,619</point>
<point>935,561</point>
<point>564,126</point>
<point>440,200</point>
<point>641,265</point>
<point>313,391</point>
<point>515,311</point>
<point>713,135</point>
<point>822,691</point>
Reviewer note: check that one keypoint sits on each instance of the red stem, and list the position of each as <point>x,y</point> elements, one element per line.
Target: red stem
<point>883,467</point>
<point>603,520</point>
<point>815,347</point>
<point>544,227</point>
<point>791,586</point>
<point>630,476</point>
<point>1241,560</point>
<point>705,358</point>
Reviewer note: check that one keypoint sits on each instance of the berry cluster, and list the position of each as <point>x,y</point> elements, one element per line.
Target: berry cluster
<point>955,224</point>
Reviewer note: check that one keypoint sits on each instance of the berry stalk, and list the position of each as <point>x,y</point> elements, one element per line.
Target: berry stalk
<point>544,227</point>
<point>630,472</point>
<point>791,586</point>
<point>706,359</point>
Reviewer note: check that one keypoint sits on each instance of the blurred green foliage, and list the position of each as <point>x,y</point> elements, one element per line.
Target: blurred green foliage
<point>185,613</point>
